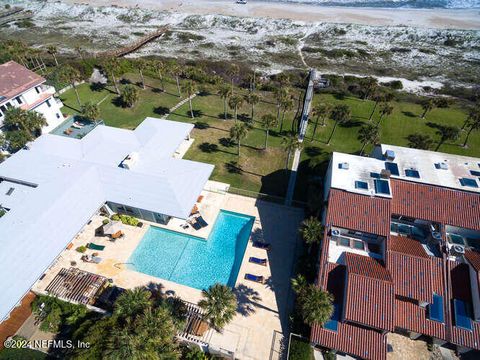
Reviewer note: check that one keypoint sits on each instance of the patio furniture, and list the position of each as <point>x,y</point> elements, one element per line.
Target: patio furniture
<point>91,259</point>
<point>258,261</point>
<point>261,245</point>
<point>193,223</point>
<point>113,228</point>
<point>93,246</point>
<point>255,278</point>
<point>201,221</point>
<point>200,198</point>
<point>194,210</point>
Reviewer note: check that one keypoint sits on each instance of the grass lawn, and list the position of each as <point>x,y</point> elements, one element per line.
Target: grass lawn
<point>257,169</point>
<point>16,354</point>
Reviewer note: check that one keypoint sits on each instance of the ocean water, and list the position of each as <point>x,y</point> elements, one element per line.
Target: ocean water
<point>420,4</point>
<point>193,261</point>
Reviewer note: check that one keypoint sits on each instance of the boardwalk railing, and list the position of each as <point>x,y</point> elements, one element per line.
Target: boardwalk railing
<point>136,45</point>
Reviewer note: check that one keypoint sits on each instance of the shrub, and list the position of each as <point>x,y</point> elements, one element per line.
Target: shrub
<point>105,221</point>
<point>81,249</point>
<point>115,217</point>
<point>394,84</point>
<point>300,350</point>
<point>125,219</point>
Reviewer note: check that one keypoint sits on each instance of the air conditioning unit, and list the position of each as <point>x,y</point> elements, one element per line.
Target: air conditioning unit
<point>457,250</point>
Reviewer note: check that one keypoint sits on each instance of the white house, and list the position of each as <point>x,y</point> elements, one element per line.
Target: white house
<point>20,87</point>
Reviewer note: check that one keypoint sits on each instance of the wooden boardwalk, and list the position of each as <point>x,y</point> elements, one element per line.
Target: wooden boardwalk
<point>17,317</point>
<point>136,45</point>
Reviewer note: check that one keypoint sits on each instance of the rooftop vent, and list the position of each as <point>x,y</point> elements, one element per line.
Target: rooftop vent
<point>390,155</point>
<point>129,161</point>
<point>344,166</point>
<point>442,165</point>
<point>10,191</point>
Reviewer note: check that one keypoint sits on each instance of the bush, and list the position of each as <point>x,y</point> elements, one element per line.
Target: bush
<point>105,221</point>
<point>300,350</point>
<point>394,84</point>
<point>125,219</point>
<point>81,249</point>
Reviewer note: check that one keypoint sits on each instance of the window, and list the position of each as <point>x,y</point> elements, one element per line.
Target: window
<point>362,185</point>
<point>358,244</point>
<point>332,324</point>
<point>48,103</point>
<point>475,172</point>
<point>412,173</point>
<point>3,109</point>
<point>435,309</point>
<point>343,241</point>
<point>37,89</point>
<point>19,100</point>
<point>469,182</point>
<point>392,167</point>
<point>382,187</point>
<point>462,314</point>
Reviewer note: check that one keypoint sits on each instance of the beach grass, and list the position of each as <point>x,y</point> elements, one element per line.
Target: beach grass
<point>263,170</point>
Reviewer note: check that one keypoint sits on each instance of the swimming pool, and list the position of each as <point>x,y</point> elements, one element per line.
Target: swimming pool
<point>193,261</point>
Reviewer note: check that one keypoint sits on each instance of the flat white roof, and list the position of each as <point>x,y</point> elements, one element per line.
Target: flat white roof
<point>60,182</point>
<point>358,174</point>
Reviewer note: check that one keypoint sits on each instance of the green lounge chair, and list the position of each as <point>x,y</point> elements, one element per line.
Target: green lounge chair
<point>93,246</point>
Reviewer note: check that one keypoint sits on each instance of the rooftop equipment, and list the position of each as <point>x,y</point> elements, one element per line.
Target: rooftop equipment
<point>390,155</point>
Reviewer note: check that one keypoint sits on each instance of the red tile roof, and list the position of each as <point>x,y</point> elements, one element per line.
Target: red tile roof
<point>434,203</point>
<point>369,293</point>
<point>407,246</point>
<point>359,212</point>
<point>15,79</point>
<point>473,258</point>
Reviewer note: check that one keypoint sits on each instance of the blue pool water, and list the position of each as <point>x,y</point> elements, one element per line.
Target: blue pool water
<point>192,261</point>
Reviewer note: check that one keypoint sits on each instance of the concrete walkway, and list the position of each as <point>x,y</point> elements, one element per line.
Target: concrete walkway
<point>293,178</point>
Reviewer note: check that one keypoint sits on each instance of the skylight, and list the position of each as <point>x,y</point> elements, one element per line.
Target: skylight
<point>344,166</point>
<point>442,165</point>
<point>10,191</point>
<point>412,173</point>
<point>435,310</point>
<point>469,182</point>
<point>382,187</point>
<point>475,172</point>
<point>362,185</point>
<point>392,167</point>
<point>462,314</point>
<point>332,324</point>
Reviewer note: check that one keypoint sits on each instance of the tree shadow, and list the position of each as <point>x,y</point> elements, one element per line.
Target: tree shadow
<point>196,113</point>
<point>244,117</point>
<point>233,168</point>
<point>156,90</point>
<point>313,151</point>
<point>351,124</point>
<point>204,92</point>
<point>201,125</point>
<point>207,147</point>
<point>124,81</point>
<point>117,101</point>
<point>435,125</point>
<point>247,299</point>
<point>98,87</point>
<point>222,116</point>
<point>227,142</point>
<point>257,235</point>
<point>161,110</point>
<point>409,114</point>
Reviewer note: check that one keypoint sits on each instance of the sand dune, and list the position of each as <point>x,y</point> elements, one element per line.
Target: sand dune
<point>425,18</point>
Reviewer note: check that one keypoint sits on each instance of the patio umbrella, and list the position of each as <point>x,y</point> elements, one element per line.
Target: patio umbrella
<point>112,227</point>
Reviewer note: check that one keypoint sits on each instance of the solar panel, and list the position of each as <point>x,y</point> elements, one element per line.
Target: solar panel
<point>361,185</point>
<point>412,173</point>
<point>469,182</point>
<point>382,187</point>
<point>435,309</point>
<point>392,167</point>
<point>332,324</point>
<point>462,314</point>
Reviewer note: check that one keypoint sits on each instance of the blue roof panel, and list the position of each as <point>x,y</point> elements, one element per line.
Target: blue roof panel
<point>332,324</point>
<point>435,309</point>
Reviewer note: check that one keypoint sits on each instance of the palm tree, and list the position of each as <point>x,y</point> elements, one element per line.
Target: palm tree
<point>235,102</point>
<point>419,141</point>
<point>290,145</point>
<point>225,92</point>
<point>315,305</point>
<point>142,66</point>
<point>299,284</point>
<point>378,97</point>
<point>312,231</point>
<point>232,72</point>
<point>112,65</point>
<point>473,124</point>
<point>129,95</point>
<point>80,52</point>
<point>280,94</point>
<point>447,133</point>
<point>252,99</point>
<point>427,105</point>
<point>190,88</point>
<point>90,111</point>
<point>219,304</point>
<point>52,50</point>
<point>238,132</point>
<point>341,114</point>
<point>29,122</point>
<point>132,303</point>
<point>72,76</point>
<point>474,112</point>
<point>369,85</point>
<point>160,68</point>
<point>286,104</point>
<point>385,110</point>
<point>176,71</point>
<point>368,134</point>
<point>268,122</point>
<point>321,110</point>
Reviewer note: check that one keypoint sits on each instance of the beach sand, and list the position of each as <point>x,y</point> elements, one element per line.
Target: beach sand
<point>425,18</point>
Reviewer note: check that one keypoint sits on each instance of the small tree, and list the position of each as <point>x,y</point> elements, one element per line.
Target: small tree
<point>219,304</point>
<point>235,102</point>
<point>341,114</point>
<point>225,92</point>
<point>90,111</point>
<point>233,72</point>
<point>447,133</point>
<point>132,303</point>
<point>129,95</point>
<point>176,71</point>
<point>268,122</point>
<point>252,99</point>
<point>72,76</point>
<point>321,111</point>
<point>427,105</point>
<point>190,88</point>
<point>52,50</point>
<point>290,145</point>
<point>473,124</point>
<point>369,85</point>
<point>238,132</point>
<point>160,68</point>
<point>419,141</point>
<point>312,231</point>
<point>368,134</point>
<point>142,66</point>
<point>286,104</point>
<point>280,94</point>
<point>112,66</point>
<point>385,110</point>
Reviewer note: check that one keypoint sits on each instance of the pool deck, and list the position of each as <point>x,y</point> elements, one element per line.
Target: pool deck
<point>262,316</point>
